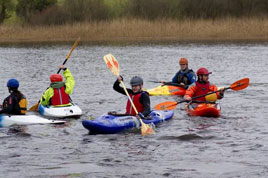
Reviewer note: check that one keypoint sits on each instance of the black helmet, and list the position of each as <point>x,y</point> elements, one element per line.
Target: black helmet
<point>136,80</point>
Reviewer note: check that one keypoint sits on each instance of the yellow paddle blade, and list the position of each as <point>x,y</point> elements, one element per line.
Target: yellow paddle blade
<point>168,105</point>
<point>240,84</point>
<point>34,107</point>
<point>112,64</point>
<point>146,129</point>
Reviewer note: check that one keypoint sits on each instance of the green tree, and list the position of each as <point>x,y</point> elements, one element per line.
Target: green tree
<point>6,6</point>
<point>27,8</point>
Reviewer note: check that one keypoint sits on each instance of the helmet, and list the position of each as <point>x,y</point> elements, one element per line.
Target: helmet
<point>13,83</point>
<point>136,80</point>
<point>203,71</point>
<point>183,61</point>
<point>56,78</point>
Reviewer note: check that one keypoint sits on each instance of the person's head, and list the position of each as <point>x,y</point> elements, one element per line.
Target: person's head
<point>183,63</point>
<point>12,85</point>
<point>56,78</point>
<point>203,74</point>
<point>136,83</point>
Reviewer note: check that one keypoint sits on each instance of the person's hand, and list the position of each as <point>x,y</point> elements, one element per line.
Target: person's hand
<point>62,67</point>
<point>163,82</point>
<point>119,78</point>
<point>222,90</point>
<point>187,98</point>
<point>182,83</point>
<point>140,116</point>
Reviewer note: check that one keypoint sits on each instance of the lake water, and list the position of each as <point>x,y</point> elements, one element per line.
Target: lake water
<point>233,145</point>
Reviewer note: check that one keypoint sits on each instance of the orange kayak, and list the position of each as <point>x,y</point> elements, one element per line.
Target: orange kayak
<point>203,109</point>
<point>167,90</point>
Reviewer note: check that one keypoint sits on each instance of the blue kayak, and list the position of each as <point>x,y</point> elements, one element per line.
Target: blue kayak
<point>110,124</point>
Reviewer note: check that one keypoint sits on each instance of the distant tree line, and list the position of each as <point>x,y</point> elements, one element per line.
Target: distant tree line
<point>51,12</point>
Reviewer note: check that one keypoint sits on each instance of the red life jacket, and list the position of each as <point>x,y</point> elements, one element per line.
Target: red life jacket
<point>136,101</point>
<point>201,90</point>
<point>59,97</point>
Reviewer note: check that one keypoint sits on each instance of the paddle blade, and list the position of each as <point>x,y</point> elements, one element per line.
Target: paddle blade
<point>240,84</point>
<point>112,64</point>
<point>168,105</point>
<point>34,107</point>
<point>146,129</point>
<point>74,45</point>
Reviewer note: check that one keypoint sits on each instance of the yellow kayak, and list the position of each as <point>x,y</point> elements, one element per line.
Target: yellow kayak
<point>166,90</point>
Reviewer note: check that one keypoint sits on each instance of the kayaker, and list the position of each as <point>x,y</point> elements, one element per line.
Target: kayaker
<point>16,102</point>
<point>203,86</point>
<point>184,76</point>
<point>139,97</point>
<point>58,92</point>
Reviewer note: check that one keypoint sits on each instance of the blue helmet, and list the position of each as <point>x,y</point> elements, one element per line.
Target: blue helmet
<point>13,83</point>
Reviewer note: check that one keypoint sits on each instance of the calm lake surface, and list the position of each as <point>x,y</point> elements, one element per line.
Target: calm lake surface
<point>233,145</point>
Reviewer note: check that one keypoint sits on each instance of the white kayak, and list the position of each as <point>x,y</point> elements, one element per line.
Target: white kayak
<point>60,111</point>
<point>10,120</point>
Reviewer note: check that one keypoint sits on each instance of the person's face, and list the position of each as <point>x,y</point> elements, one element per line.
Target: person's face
<point>136,88</point>
<point>183,66</point>
<point>205,77</point>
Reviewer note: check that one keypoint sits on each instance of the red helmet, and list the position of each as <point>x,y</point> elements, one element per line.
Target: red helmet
<point>183,61</point>
<point>56,78</point>
<point>203,71</point>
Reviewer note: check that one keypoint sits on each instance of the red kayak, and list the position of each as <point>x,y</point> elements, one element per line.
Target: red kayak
<point>203,109</point>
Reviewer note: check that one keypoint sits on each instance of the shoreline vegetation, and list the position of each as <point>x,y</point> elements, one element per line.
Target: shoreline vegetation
<point>131,30</point>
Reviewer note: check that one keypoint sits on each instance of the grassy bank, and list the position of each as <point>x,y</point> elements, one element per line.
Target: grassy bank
<point>141,31</point>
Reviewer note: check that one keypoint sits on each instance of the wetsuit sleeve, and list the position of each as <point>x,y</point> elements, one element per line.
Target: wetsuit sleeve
<point>46,96</point>
<point>119,89</point>
<point>69,81</point>
<point>190,91</point>
<point>145,100</point>
<point>192,77</point>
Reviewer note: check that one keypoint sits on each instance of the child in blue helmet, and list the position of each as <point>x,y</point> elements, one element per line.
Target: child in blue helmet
<point>16,102</point>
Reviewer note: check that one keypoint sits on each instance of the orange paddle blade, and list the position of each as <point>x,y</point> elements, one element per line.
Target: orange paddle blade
<point>240,84</point>
<point>168,105</point>
<point>112,64</point>
<point>34,107</point>
<point>146,129</point>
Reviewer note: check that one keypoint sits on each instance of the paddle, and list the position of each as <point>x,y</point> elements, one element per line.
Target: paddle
<point>35,106</point>
<point>113,65</point>
<point>169,83</point>
<point>169,105</point>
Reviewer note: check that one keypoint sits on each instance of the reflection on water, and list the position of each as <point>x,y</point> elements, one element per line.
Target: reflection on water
<point>231,146</point>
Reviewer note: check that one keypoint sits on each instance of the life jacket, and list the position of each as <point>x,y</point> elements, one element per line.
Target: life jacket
<point>201,90</point>
<point>23,105</point>
<point>136,101</point>
<point>183,77</point>
<point>60,97</point>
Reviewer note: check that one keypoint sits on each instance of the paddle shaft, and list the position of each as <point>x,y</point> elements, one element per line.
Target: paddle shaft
<point>170,84</point>
<point>124,87</point>
<point>203,95</point>
<point>67,57</point>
